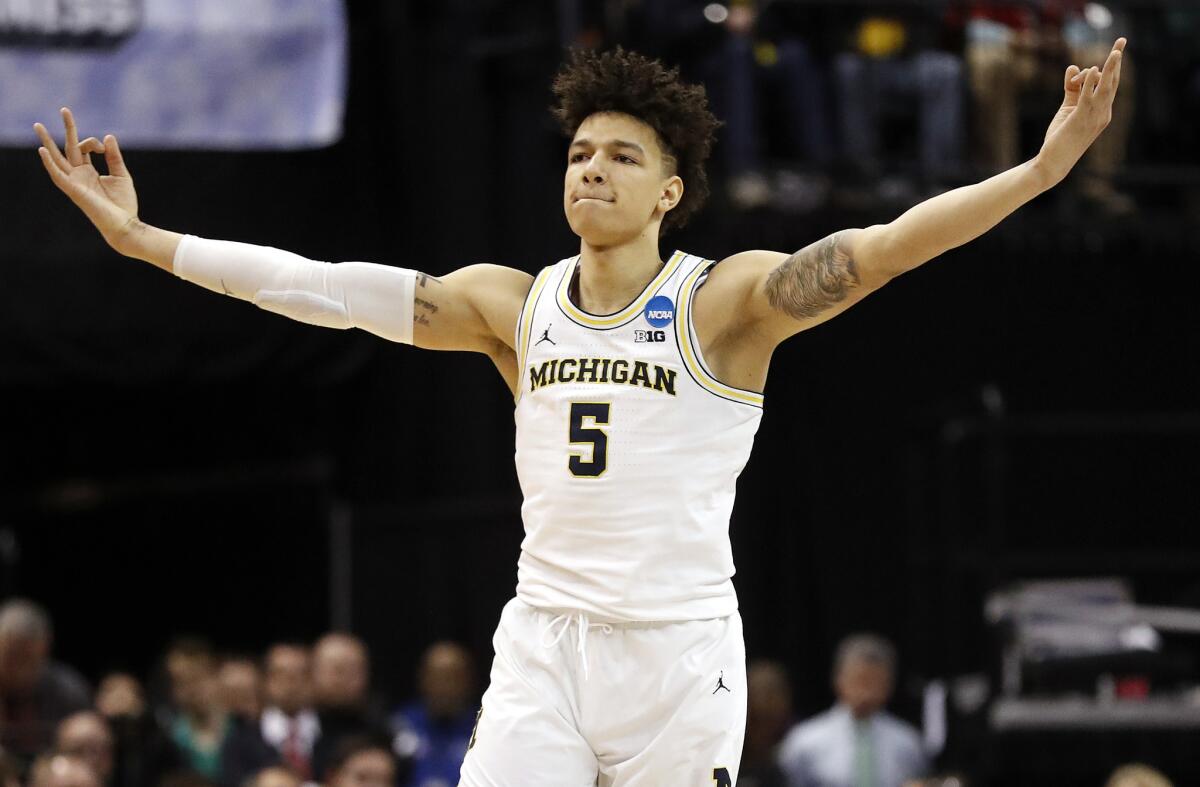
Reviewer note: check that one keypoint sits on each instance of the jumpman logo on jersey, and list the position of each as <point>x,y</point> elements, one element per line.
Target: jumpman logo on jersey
<point>546,336</point>
<point>721,684</point>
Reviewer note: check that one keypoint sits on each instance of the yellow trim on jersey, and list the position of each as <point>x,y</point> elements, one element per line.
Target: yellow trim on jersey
<point>632,310</point>
<point>523,330</point>
<point>691,357</point>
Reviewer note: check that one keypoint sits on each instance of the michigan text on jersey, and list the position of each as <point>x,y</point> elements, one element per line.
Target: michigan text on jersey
<point>617,371</point>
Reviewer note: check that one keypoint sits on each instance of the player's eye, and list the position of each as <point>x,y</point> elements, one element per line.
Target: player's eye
<point>577,157</point>
<point>625,159</point>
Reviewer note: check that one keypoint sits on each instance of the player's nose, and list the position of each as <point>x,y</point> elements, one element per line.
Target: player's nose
<point>593,172</point>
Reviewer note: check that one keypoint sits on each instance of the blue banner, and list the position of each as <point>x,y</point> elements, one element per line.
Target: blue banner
<point>201,74</point>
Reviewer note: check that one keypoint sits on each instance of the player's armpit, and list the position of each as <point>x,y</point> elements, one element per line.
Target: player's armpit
<point>473,308</point>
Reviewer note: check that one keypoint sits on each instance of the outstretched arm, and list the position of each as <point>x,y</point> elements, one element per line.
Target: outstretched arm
<point>474,308</point>
<point>956,217</point>
<point>785,294</point>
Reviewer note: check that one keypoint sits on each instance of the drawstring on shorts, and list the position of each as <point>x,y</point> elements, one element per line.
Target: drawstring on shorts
<point>584,626</point>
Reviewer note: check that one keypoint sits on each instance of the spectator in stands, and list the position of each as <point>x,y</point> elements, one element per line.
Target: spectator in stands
<point>274,776</point>
<point>288,729</point>
<point>86,735</point>
<point>341,694</point>
<point>239,688</point>
<point>856,743</point>
<point>144,754</point>
<point>898,60</point>
<point>10,771</point>
<point>361,761</point>
<point>768,716</point>
<point>60,770</point>
<point>1013,47</point>
<point>1137,775</point>
<point>435,730</point>
<point>200,725</point>
<point>36,693</point>
<point>721,45</point>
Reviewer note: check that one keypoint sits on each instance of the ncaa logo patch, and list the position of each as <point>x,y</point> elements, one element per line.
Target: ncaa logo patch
<point>660,311</point>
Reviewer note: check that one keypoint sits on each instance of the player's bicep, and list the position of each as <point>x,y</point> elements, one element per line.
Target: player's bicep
<point>820,281</point>
<point>473,308</point>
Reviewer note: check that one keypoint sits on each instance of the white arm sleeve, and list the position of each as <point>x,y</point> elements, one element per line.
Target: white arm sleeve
<point>376,298</point>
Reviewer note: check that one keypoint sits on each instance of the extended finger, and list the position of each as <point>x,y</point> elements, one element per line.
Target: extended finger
<point>1112,66</point>
<point>51,147</point>
<point>113,157</point>
<point>56,173</point>
<point>72,143</point>
<point>1071,80</point>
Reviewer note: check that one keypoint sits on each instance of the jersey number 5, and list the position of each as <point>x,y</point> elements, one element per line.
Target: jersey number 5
<point>592,414</point>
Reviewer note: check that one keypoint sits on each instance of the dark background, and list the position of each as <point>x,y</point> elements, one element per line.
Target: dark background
<point>171,461</point>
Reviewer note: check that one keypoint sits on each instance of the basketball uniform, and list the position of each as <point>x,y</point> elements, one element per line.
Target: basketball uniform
<point>620,661</point>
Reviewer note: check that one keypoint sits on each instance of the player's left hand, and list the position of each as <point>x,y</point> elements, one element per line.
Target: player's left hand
<point>109,201</point>
<point>1085,112</point>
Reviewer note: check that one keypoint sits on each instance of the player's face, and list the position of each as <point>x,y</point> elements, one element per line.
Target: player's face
<point>618,183</point>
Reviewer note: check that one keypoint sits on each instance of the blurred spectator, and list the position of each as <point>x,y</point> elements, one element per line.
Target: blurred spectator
<point>1137,775</point>
<point>86,735</point>
<point>946,780</point>
<point>200,725</point>
<point>769,714</point>
<point>895,62</point>
<point>288,729</point>
<point>341,694</point>
<point>361,761</point>
<point>856,743</point>
<point>10,771</point>
<point>36,693</point>
<point>435,730</point>
<point>240,688</point>
<point>60,770</point>
<point>186,778</point>
<point>144,754</point>
<point>721,45</point>
<point>1013,47</point>
<point>273,776</point>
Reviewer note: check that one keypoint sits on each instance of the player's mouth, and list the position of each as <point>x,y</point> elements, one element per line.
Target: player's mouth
<point>592,199</point>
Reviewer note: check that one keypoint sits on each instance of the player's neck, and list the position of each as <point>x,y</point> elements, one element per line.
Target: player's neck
<point>612,276</point>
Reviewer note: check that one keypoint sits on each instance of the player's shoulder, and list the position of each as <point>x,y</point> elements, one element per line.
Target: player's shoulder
<point>727,298</point>
<point>499,276</point>
<point>745,263</point>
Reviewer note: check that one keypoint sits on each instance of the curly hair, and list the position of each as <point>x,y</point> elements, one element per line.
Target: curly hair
<point>622,81</point>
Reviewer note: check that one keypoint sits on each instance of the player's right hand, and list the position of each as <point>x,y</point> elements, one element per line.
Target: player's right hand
<point>109,201</point>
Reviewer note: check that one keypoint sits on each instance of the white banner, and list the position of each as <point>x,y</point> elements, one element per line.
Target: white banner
<point>208,74</point>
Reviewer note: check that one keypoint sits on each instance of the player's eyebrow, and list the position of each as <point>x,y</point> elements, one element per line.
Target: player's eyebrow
<point>616,143</point>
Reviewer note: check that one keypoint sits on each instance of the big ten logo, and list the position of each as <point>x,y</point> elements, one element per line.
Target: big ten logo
<point>649,336</point>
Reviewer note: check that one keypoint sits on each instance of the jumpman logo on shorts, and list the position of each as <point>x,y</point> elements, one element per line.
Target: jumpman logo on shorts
<point>721,684</point>
<point>546,336</point>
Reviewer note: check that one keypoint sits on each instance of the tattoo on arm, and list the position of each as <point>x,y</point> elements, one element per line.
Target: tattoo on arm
<point>424,309</point>
<point>813,279</point>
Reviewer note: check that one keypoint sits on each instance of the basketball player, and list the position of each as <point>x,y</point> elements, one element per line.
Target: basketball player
<point>638,388</point>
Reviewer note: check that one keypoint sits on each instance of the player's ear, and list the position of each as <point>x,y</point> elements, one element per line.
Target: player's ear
<point>672,192</point>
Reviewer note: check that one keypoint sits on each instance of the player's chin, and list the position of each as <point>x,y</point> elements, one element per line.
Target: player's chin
<point>596,230</point>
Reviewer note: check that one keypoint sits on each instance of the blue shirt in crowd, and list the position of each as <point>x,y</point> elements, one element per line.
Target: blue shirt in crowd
<point>437,746</point>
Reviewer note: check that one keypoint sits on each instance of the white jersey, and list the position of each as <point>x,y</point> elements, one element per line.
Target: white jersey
<point>628,453</point>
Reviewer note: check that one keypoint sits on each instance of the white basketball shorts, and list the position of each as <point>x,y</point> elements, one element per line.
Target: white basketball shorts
<point>574,702</point>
